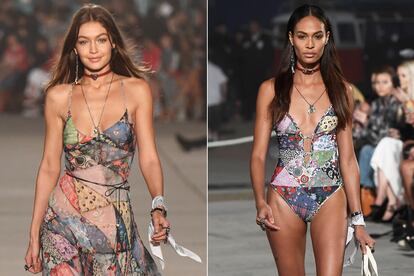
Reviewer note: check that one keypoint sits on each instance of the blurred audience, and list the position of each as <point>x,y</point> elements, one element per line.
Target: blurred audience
<point>257,49</point>
<point>170,36</point>
<point>379,123</point>
<point>247,58</point>
<point>13,66</point>
<point>384,136</point>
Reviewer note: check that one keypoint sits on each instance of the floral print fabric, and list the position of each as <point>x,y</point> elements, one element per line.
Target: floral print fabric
<point>384,114</point>
<point>89,227</point>
<point>305,183</point>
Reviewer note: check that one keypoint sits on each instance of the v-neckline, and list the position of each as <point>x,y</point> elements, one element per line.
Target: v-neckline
<point>317,124</point>
<point>70,117</point>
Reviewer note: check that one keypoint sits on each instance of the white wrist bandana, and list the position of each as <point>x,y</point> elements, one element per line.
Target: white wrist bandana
<point>180,250</point>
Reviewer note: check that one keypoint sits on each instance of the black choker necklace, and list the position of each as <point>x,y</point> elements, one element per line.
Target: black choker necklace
<point>308,71</point>
<point>95,76</point>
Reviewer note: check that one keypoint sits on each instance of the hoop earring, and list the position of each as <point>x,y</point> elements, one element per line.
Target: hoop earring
<point>292,59</point>
<point>76,69</point>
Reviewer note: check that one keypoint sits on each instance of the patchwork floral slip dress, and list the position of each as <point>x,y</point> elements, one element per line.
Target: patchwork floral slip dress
<point>89,227</point>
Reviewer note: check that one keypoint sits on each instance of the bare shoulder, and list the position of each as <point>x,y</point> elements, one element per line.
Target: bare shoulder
<point>59,93</point>
<point>267,90</point>
<point>136,85</point>
<point>58,96</point>
<point>136,89</point>
<point>268,85</point>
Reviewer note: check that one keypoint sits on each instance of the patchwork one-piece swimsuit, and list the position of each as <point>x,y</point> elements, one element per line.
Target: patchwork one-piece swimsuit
<point>89,226</point>
<point>306,179</point>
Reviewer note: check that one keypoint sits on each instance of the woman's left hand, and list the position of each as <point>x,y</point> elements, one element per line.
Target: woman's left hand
<point>364,239</point>
<point>161,228</point>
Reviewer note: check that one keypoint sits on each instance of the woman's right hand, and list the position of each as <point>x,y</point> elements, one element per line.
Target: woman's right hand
<point>32,258</point>
<point>264,212</point>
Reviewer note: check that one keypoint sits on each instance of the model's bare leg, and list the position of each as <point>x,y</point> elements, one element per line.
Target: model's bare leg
<point>289,243</point>
<point>328,232</point>
<point>381,188</point>
<point>407,171</point>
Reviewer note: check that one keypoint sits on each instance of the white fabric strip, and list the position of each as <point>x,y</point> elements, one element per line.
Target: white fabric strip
<point>357,220</point>
<point>350,260</point>
<point>369,265</point>
<point>180,250</point>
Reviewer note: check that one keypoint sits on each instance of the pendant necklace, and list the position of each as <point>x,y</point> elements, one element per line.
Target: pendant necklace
<point>311,108</point>
<point>96,131</point>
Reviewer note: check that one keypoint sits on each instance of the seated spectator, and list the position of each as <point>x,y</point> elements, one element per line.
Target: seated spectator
<point>383,113</point>
<point>387,155</point>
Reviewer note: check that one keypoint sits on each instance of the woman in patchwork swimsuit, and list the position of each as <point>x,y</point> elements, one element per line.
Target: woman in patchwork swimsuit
<point>309,105</point>
<point>98,108</point>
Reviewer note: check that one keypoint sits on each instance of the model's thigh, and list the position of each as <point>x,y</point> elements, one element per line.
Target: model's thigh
<point>289,243</point>
<point>328,232</point>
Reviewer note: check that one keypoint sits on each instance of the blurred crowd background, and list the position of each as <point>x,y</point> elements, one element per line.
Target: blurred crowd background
<point>247,44</point>
<point>170,37</point>
<point>375,43</point>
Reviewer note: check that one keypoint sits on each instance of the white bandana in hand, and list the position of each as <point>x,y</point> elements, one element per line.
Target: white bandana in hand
<point>180,250</point>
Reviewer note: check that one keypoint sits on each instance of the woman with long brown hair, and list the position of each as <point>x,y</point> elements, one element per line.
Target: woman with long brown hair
<point>98,106</point>
<point>309,105</point>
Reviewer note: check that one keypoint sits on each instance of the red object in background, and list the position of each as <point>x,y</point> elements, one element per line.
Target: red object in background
<point>352,65</point>
<point>152,56</point>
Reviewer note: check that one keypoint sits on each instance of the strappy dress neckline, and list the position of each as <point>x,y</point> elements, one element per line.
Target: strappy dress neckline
<point>125,115</point>
<point>317,124</point>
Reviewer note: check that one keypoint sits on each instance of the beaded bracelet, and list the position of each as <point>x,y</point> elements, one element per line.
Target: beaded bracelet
<point>354,214</point>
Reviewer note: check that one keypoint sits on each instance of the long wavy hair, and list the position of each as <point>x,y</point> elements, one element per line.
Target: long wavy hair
<point>329,66</point>
<point>63,70</point>
<point>409,66</point>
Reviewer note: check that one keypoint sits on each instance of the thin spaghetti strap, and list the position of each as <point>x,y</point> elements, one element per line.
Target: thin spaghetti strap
<point>70,99</point>
<point>124,96</point>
